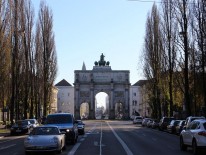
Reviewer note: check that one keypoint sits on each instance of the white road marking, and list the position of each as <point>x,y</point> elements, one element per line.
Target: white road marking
<point>74,149</point>
<point>6,147</point>
<point>100,142</point>
<point>127,150</point>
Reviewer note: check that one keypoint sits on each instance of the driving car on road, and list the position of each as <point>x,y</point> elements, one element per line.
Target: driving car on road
<point>80,126</point>
<point>45,138</point>
<point>66,123</point>
<point>194,136</point>
<point>21,127</point>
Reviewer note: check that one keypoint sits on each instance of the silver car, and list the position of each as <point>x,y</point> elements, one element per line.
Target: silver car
<point>194,136</point>
<point>45,138</point>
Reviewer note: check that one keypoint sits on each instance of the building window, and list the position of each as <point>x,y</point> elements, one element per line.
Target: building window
<point>68,94</point>
<point>134,94</point>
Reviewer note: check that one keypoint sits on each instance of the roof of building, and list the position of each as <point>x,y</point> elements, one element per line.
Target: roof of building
<point>63,83</point>
<point>140,83</point>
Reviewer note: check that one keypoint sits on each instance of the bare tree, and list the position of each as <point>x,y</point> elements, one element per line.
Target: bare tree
<point>4,55</point>
<point>48,53</point>
<point>169,35</point>
<point>153,58</point>
<point>198,25</point>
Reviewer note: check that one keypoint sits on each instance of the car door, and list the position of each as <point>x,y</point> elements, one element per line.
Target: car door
<point>189,132</point>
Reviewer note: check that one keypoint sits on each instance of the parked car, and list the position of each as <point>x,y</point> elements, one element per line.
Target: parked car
<point>180,126</point>
<point>155,124</point>
<point>45,138</point>
<point>33,122</point>
<point>66,123</point>
<point>144,121</point>
<point>171,128</point>
<point>191,118</point>
<point>194,136</point>
<point>164,122</point>
<point>80,127</point>
<point>137,120</point>
<point>149,123</point>
<point>21,127</point>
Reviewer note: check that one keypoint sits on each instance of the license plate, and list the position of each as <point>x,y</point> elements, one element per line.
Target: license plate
<point>18,130</point>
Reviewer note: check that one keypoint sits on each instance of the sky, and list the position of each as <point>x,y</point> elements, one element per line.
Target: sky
<point>86,28</point>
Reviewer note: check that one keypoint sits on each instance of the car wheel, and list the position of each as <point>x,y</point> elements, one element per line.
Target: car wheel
<point>73,141</point>
<point>59,151</point>
<point>194,147</point>
<point>183,147</point>
<point>64,147</point>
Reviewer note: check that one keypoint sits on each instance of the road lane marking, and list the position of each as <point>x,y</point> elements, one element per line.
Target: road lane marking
<point>100,142</point>
<point>10,140</point>
<point>127,150</point>
<point>74,149</point>
<point>6,147</point>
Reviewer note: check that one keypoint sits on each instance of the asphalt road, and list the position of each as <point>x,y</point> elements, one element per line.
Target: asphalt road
<point>105,137</point>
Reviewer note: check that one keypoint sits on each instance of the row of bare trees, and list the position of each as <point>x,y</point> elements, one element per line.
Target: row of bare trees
<point>175,58</point>
<point>28,61</point>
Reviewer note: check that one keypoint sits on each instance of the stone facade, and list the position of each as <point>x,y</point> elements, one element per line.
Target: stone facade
<point>114,83</point>
<point>65,97</point>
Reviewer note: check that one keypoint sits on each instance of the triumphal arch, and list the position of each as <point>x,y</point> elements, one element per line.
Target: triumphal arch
<point>115,83</point>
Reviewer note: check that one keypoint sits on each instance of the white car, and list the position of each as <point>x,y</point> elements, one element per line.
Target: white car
<point>137,120</point>
<point>194,136</point>
<point>45,138</point>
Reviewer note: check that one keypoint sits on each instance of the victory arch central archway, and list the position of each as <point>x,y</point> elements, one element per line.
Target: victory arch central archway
<point>102,78</point>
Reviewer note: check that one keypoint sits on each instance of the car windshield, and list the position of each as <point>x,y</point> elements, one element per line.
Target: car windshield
<point>58,119</point>
<point>31,121</point>
<point>176,122</point>
<point>167,119</point>
<point>45,131</point>
<point>21,123</point>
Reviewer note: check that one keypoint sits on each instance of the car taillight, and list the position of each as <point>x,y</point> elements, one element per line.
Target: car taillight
<point>202,133</point>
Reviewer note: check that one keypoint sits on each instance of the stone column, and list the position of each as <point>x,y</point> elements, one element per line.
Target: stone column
<point>92,103</point>
<point>76,104</point>
<point>111,103</point>
<point>126,101</point>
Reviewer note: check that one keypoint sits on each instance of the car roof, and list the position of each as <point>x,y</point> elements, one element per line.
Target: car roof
<point>46,126</point>
<point>60,114</point>
<point>200,120</point>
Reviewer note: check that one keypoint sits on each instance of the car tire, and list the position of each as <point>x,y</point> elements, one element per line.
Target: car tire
<point>73,141</point>
<point>183,147</point>
<point>195,149</point>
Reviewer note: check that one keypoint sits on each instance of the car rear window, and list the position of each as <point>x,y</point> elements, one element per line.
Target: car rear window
<point>58,119</point>
<point>167,119</point>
